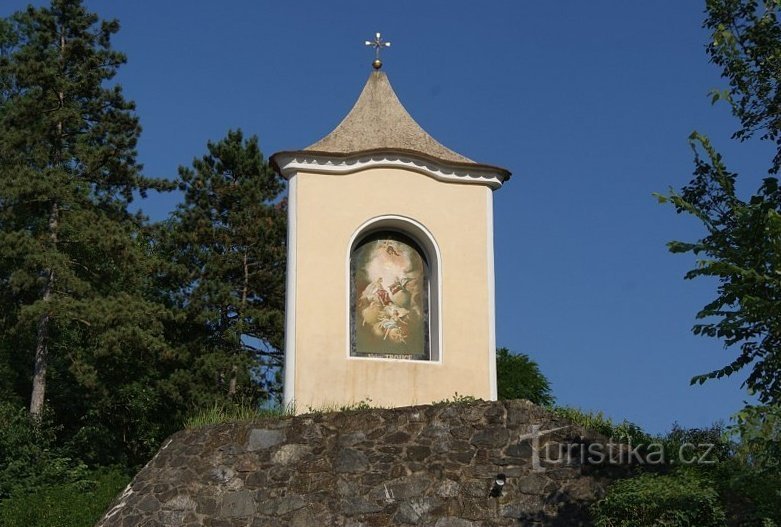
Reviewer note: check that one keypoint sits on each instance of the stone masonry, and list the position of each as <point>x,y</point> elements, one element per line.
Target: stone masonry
<point>433,466</point>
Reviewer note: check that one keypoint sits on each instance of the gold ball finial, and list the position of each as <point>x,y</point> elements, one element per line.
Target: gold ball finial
<point>377,64</point>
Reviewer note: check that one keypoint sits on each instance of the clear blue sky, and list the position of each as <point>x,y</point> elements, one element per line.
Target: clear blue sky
<point>589,104</point>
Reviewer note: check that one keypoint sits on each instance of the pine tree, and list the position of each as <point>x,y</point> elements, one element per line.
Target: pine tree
<point>227,241</point>
<point>73,261</point>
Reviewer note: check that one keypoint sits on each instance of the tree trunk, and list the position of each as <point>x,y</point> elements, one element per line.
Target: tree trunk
<point>42,340</point>
<point>38,395</point>
<point>245,289</point>
<point>242,306</point>
<point>232,383</point>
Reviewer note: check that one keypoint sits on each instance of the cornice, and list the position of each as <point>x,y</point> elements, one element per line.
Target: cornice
<point>290,163</point>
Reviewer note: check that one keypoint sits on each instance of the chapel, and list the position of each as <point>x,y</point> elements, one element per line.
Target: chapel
<point>390,269</point>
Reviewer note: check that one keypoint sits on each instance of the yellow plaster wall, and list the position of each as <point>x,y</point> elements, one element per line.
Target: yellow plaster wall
<point>329,209</point>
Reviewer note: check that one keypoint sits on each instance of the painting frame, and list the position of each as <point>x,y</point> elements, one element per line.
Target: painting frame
<point>389,298</point>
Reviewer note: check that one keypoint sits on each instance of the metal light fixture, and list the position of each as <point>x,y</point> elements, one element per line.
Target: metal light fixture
<point>499,482</point>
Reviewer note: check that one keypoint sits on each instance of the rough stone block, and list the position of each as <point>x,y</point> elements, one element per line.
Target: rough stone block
<point>418,453</point>
<point>181,502</point>
<point>238,504</point>
<point>262,438</point>
<point>356,505</point>
<point>351,460</point>
<point>288,454</point>
<point>281,506</point>
<point>493,437</point>
<point>450,521</point>
<point>416,510</point>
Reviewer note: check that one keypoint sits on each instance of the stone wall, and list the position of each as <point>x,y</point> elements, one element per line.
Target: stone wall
<point>423,465</point>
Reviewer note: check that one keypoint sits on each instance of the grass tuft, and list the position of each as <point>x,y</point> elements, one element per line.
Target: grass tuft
<point>237,412</point>
<point>229,413</point>
<point>600,423</point>
<point>458,399</point>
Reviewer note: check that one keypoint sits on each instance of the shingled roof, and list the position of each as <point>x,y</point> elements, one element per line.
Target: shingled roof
<point>378,122</point>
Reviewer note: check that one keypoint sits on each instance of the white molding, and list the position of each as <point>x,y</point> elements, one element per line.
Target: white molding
<point>489,219</point>
<point>416,231</point>
<point>290,297</point>
<point>290,164</point>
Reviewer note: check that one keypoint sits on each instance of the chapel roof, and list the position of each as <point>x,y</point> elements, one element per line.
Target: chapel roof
<point>378,122</point>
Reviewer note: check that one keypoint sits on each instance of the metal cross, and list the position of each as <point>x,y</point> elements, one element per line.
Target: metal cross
<point>377,44</point>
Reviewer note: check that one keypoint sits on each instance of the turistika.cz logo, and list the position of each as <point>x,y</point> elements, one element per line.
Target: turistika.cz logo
<point>571,453</point>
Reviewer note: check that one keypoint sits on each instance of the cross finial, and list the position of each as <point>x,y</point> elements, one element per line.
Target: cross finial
<point>377,44</point>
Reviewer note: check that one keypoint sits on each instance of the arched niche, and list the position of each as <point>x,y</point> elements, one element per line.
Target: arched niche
<point>394,292</point>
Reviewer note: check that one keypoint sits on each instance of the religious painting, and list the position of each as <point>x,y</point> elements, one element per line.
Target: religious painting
<point>389,297</point>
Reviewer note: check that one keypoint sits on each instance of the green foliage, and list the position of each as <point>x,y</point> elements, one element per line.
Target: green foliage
<point>64,505</point>
<point>742,250</point>
<point>684,498</point>
<point>746,45</point>
<point>723,485</point>
<point>29,456</point>
<point>742,246</point>
<point>759,429</point>
<point>693,443</point>
<point>131,327</point>
<point>458,399</point>
<point>519,377</point>
<point>119,329</point>
<point>226,242</point>
<point>625,431</point>
<point>75,264</point>
<point>357,406</point>
<point>750,497</point>
<point>366,404</point>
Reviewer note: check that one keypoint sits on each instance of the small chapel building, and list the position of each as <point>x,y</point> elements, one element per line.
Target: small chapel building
<point>390,270</point>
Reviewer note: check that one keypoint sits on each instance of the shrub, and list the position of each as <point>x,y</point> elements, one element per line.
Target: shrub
<point>29,458</point>
<point>684,498</point>
<point>751,498</point>
<point>78,504</point>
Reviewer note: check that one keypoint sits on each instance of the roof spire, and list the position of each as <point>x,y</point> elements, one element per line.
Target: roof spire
<point>377,44</point>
